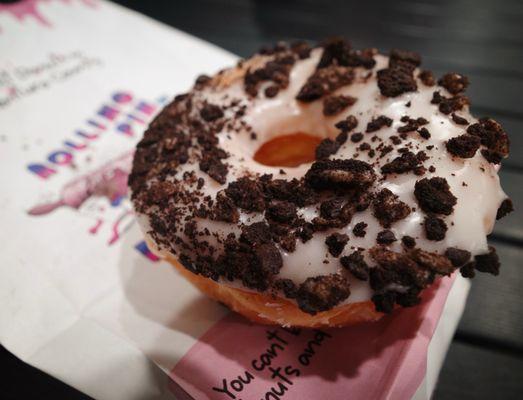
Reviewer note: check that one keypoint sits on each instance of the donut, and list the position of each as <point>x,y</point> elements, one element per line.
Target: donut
<point>321,186</point>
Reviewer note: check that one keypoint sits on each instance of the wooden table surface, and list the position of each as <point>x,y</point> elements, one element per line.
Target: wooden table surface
<point>479,38</point>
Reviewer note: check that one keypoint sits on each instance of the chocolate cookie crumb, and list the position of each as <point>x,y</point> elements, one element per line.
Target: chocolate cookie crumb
<point>359,229</point>
<point>377,123</point>
<point>407,162</point>
<point>409,59</point>
<point>306,232</point>
<point>435,228</point>
<point>333,105</point>
<point>211,112</point>
<point>454,83</point>
<point>356,265</point>
<point>332,209</point>
<point>347,124</point>
<point>326,148</point>
<point>468,270</point>
<point>434,196</point>
<point>408,241</point>
<point>493,137</point>
<point>356,137</point>
<point>384,302</point>
<point>506,207</point>
<point>336,243</point>
<point>325,81</point>
<point>424,133</point>
<point>436,263</point>
<point>281,211</point>
<point>276,70</point>
<point>256,233</point>
<point>321,293</point>
<point>488,262</point>
<point>386,237</point>
<point>427,77</point>
<point>342,138</point>
<point>459,120</point>
<point>246,194</point>
<point>387,208</point>
<point>457,257</point>
<point>214,167</point>
<point>395,81</point>
<point>287,286</point>
<point>225,209</point>
<point>448,105</point>
<point>463,146</point>
<point>340,174</point>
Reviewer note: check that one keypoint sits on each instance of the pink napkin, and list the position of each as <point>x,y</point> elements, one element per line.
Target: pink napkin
<point>387,359</point>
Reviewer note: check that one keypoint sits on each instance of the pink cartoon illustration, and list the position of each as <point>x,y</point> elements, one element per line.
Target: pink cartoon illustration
<point>108,181</point>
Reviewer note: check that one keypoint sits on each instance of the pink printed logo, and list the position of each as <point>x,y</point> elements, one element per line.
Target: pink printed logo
<point>22,10</point>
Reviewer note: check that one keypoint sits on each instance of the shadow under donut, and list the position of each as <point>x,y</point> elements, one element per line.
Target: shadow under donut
<point>229,346</point>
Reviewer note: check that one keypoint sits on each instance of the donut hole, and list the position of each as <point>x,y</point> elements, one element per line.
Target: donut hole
<point>289,150</point>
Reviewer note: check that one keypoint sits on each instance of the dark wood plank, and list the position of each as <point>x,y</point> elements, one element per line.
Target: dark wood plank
<point>473,373</point>
<point>493,311</point>
<point>21,381</point>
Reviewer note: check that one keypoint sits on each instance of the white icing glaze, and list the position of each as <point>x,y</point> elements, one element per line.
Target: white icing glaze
<point>474,214</point>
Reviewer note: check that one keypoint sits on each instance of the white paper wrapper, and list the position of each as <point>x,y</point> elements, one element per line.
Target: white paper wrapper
<point>80,295</point>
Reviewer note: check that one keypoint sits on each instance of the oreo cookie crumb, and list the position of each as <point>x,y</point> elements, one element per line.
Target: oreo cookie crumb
<point>395,81</point>
<point>246,194</point>
<point>506,207</point>
<point>386,237</point>
<point>336,243</point>
<point>459,120</point>
<point>359,229</point>
<point>211,112</point>
<point>377,123</point>
<point>448,105</point>
<point>281,211</point>
<point>458,257</point>
<point>488,262</point>
<point>214,167</point>
<point>356,137</point>
<point>424,133</point>
<point>384,302</point>
<point>427,77</point>
<point>434,196</point>
<point>347,124</point>
<point>256,233</point>
<point>387,208</point>
<point>435,228</point>
<point>356,265</point>
<point>436,263</point>
<point>325,81</point>
<point>333,105</point>
<point>340,174</point>
<point>454,83</point>
<point>287,286</point>
<point>408,241</point>
<point>468,270</point>
<point>407,162</point>
<point>493,137</point>
<point>463,146</point>
<point>326,148</point>
<point>321,293</point>
<point>342,138</point>
<point>225,209</point>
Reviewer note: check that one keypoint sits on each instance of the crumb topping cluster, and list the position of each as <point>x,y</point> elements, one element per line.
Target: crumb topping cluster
<point>186,135</point>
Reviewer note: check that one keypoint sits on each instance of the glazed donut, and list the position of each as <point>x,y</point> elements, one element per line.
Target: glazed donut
<point>321,186</point>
